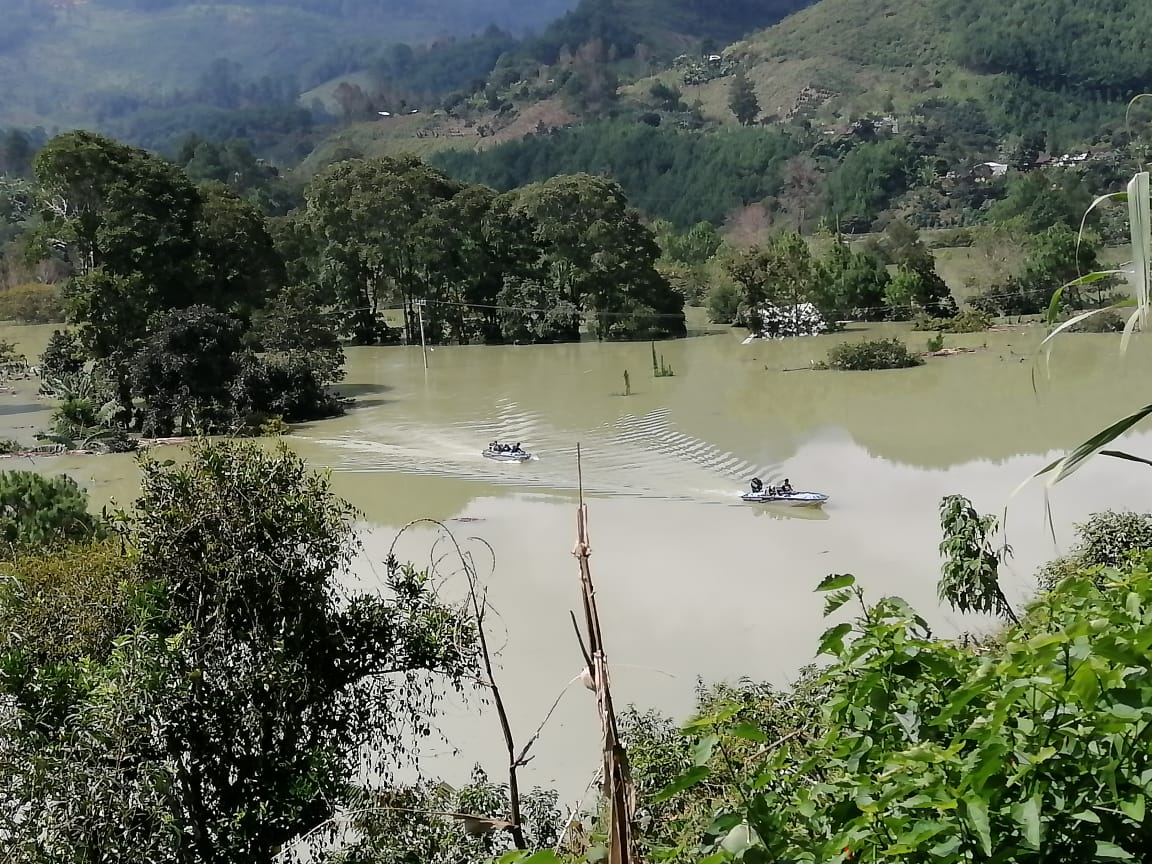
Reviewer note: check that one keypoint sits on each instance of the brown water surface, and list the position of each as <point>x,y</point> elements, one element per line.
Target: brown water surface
<point>691,582</point>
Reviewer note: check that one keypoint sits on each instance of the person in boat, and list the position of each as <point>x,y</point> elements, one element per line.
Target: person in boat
<point>494,447</point>
<point>786,489</point>
<point>517,448</point>
<point>757,486</point>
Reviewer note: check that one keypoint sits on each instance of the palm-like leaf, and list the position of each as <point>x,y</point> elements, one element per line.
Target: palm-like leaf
<point>1139,199</point>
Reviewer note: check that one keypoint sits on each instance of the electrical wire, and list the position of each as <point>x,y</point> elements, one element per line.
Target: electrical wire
<point>864,312</point>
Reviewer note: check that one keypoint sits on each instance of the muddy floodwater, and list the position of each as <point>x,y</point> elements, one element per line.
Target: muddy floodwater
<point>691,582</point>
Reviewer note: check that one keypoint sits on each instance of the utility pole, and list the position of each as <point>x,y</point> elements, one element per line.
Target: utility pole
<point>420,304</point>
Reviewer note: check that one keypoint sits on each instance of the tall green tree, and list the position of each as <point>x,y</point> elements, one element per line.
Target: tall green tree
<point>852,284</point>
<point>781,273</point>
<point>742,99</point>
<point>367,219</point>
<point>126,221</point>
<point>594,248</point>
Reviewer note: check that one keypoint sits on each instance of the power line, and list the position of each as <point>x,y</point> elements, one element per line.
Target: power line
<point>496,307</point>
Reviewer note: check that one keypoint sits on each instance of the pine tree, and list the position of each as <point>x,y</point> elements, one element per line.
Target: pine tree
<point>742,99</point>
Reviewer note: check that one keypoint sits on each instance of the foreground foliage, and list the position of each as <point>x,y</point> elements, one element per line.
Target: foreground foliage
<point>224,692</point>
<point>927,750</point>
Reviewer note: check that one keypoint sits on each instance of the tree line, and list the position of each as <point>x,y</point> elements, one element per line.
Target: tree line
<point>193,311</point>
<point>525,266</point>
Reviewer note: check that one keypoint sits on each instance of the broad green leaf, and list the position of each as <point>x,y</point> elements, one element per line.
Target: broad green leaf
<point>947,849</point>
<point>1140,228</point>
<point>724,823</point>
<point>835,600</point>
<point>685,781</point>
<point>1027,816</point>
<point>976,815</point>
<point>749,733</point>
<point>832,642</point>
<point>1086,816</point>
<point>739,840</point>
<point>707,722</point>
<point>716,858</point>
<point>834,582</point>
<point>703,751</point>
<point>596,854</point>
<point>1134,809</point>
<point>1112,852</point>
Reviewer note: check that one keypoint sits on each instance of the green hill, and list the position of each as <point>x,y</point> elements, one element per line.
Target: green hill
<point>1061,66</point>
<point>938,85</point>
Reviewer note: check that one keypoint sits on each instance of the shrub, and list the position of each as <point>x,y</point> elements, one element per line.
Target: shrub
<point>723,303</point>
<point>32,304</point>
<point>38,511</point>
<point>872,354</point>
<point>968,321</point>
<point>1106,540</point>
<point>63,356</point>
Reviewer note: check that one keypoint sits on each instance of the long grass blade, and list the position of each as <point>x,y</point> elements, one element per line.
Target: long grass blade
<point>1128,457</point>
<point>1131,105</point>
<point>1119,197</point>
<point>1140,225</point>
<point>1054,313</point>
<point>1061,469</point>
<point>1083,316</point>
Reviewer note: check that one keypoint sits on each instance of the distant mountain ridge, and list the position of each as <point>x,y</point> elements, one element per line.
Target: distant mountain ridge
<point>78,62</point>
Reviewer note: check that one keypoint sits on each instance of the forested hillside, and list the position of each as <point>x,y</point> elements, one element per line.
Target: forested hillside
<point>884,108</point>
<point>98,61</point>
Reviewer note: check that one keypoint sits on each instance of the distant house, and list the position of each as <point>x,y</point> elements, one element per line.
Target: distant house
<point>714,59</point>
<point>986,171</point>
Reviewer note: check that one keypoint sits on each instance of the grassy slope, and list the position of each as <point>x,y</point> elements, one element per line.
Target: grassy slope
<point>866,51</point>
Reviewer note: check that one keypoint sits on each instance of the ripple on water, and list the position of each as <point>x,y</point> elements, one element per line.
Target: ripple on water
<point>632,456</point>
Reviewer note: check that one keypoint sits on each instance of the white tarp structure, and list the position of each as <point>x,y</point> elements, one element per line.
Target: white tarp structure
<point>780,322</point>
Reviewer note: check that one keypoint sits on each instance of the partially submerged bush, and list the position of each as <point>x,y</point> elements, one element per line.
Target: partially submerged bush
<point>872,354</point>
<point>968,321</point>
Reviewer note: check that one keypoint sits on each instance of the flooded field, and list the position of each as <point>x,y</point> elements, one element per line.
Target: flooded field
<point>691,582</point>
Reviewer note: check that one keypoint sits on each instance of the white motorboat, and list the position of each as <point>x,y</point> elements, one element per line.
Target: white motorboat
<point>792,499</point>
<point>507,455</point>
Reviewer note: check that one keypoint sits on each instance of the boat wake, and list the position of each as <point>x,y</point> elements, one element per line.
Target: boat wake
<point>633,456</point>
